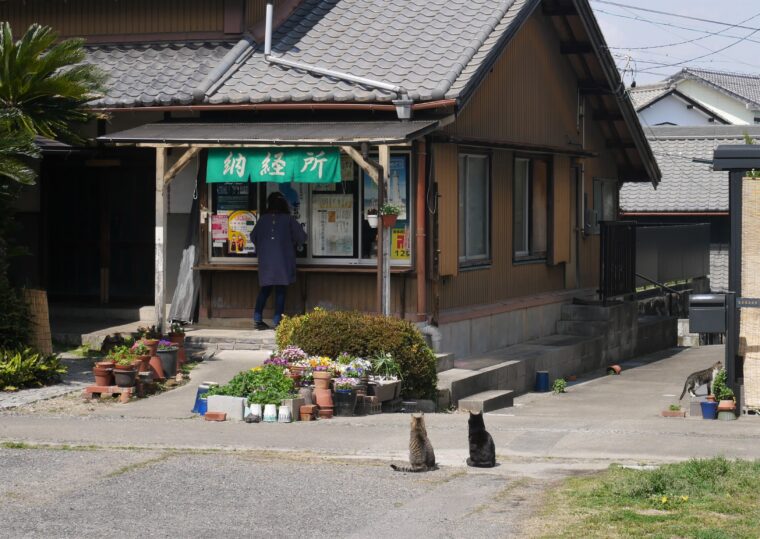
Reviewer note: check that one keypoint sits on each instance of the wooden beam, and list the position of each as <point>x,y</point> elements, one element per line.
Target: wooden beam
<point>575,47</point>
<point>607,116</point>
<point>181,163</point>
<point>618,143</point>
<point>593,88</point>
<point>383,234</point>
<point>365,165</point>
<point>160,238</point>
<point>559,11</point>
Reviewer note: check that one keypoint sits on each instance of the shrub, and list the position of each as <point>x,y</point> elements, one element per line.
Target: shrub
<point>27,368</point>
<point>330,333</point>
<point>720,389</point>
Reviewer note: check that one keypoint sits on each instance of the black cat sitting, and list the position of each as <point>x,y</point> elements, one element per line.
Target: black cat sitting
<point>482,448</point>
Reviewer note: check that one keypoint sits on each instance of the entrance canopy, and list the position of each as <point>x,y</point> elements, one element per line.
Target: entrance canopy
<point>209,134</point>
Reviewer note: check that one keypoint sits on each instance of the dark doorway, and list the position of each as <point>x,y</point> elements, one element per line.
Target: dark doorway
<point>98,212</point>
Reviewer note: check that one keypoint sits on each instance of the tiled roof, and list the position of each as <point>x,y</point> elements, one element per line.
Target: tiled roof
<point>686,186</point>
<point>741,85</point>
<point>641,96</point>
<point>434,49</point>
<point>154,74</point>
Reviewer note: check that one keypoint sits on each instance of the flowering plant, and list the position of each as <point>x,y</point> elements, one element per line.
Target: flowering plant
<point>140,349</point>
<point>166,346</point>
<point>389,209</point>
<point>320,361</point>
<point>346,383</point>
<point>362,365</point>
<point>177,329</point>
<point>292,354</point>
<point>274,360</point>
<point>344,358</point>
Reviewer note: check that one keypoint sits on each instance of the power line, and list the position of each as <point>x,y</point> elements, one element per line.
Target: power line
<point>679,15</point>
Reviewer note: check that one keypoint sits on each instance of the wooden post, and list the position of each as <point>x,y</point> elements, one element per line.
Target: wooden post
<point>161,225</point>
<point>383,235</point>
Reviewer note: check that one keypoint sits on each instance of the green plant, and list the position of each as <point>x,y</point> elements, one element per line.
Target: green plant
<point>177,328</point>
<point>329,333</point>
<point>389,209</point>
<point>148,332</point>
<point>384,365</point>
<point>27,368</point>
<point>140,348</point>
<point>675,407</point>
<point>122,355</point>
<point>719,387</point>
<point>261,385</point>
<point>372,211</point>
<point>559,385</point>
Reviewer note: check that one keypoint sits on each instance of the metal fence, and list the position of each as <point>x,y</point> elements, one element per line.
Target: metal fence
<point>617,272</point>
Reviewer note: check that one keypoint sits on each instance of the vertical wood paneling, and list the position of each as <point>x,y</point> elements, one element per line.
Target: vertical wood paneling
<point>561,205</point>
<point>115,17</point>
<point>446,170</point>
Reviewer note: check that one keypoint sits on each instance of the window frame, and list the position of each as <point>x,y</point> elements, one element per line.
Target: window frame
<point>529,256</point>
<point>598,211</point>
<point>483,260</point>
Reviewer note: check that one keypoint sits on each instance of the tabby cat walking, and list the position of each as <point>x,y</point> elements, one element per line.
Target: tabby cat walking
<point>421,456</point>
<point>700,378</point>
<point>482,448</point>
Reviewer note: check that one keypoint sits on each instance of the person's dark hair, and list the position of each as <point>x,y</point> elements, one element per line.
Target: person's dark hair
<point>276,203</point>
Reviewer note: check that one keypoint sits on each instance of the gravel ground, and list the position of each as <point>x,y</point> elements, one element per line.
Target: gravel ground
<point>78,377</point>
<point>135,493</point>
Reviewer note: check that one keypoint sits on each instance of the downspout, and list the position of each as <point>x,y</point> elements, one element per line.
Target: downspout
<point>403,103</point>
<point>419,245</point>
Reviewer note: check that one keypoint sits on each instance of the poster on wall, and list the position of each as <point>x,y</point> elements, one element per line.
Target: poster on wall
<point>297,195</point>
<point>332,218</point>
<point>400,244</point>
<point>239,227</point>
<point>397,187</point>
<point>219,226</point>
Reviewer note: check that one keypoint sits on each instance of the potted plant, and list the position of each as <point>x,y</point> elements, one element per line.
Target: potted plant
<point>345,396</point>
<point>674,410</point>
<point>372,217</point>
<point>142,353</point>
<point>103,374</point>
<point>177,336</point>
<point>386,381</point>
<point>125,369</point>
<point>167,353</point>
<point>389,214</point>
<point>725,396</point>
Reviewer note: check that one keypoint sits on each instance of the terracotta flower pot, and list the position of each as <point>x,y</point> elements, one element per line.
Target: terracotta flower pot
<point>326,413</point>
<point>324,398</point>
<point>105,364</point>
<point>156,370</point>
<point>710,398</point>
<point>389,220</point>
<point>322,379</point>
<point>152,345</point>
<point>177,338</point>
<point>103,376</point>
<point>307,417</point>
<point>614,369</point>
<point>144,364</point>
<point>726,405</point>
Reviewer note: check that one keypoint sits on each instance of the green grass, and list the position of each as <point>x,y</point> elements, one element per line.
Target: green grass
<point>703,499</point>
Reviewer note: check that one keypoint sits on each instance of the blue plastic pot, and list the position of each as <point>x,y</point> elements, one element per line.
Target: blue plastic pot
<point>709,409</point>
<point>202,389</point>
<point>542,381</point>
<point>202,406</point>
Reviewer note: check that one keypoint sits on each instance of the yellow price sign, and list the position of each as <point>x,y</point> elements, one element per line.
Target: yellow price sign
<point>400,249</point>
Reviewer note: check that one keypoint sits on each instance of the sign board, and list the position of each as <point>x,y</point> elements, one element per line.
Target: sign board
<point>747,303</point>
<point>279,165</point>
<point>332,222</point>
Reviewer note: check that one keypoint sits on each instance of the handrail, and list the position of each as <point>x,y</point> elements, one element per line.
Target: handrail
<point>663,286</point>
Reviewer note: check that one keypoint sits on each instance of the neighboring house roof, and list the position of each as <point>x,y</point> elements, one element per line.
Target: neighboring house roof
<point>434,50</point>
<point>686,186</point>
<point>144,75</point>
<point>643,96</point>
<point>742,86</point>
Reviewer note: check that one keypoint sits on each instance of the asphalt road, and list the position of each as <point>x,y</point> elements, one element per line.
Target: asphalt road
<point>144,493</point>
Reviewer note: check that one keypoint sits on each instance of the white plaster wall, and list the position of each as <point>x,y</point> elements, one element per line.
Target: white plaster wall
<point>731,109</point>
<point>671,110</point>
<point>182,187</point>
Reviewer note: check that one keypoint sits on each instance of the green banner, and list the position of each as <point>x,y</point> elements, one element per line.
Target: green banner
<point>280,165</point>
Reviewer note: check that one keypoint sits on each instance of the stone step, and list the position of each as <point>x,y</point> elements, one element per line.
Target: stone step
<point>571,312</point>
<point>229,339</point>
<point>582,328</point>
<point>487,401</point>
<point>444,362</point>
<point>463,382</point>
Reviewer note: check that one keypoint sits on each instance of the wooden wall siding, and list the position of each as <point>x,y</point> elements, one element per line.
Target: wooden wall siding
<point>502,279</point>
<point>84,18</point>
<point>233,293</point>
<point>446,170</point>
<point>530,97</point>
<point>562,204</point>
<point>255,11</point>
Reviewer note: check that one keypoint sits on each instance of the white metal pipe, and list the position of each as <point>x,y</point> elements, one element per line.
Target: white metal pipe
<point>268,32</point>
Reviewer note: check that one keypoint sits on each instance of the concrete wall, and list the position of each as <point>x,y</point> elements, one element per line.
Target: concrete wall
<point>477,335</point>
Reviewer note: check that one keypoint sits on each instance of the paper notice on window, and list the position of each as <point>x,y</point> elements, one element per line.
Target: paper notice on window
<point>219,227</point>
<point>332,219</point>
<point>239,227</point>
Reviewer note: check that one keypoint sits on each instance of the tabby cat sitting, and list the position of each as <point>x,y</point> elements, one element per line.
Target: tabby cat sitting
<point>421,455</point>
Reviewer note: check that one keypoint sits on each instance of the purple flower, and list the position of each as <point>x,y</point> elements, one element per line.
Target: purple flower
<point>280,362</point>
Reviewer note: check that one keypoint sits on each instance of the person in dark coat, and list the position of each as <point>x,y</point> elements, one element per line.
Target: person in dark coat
<point>276,236</point>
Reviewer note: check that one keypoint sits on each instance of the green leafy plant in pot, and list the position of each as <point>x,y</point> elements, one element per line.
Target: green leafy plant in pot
<point>389,214</point>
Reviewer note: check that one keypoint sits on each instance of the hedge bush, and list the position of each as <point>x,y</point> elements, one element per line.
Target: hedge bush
<point>329,333</point>
<point>27,368</point>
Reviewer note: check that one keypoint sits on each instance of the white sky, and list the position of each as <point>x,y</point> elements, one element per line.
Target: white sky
<point>624,35</point>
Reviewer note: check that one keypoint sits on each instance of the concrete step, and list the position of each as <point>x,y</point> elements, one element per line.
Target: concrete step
<point>487,401</point>
<point>571,312</point>
<point>230,339</point>
<point>462,382</point>
<point>444,362</point>
<point>582,328</point>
